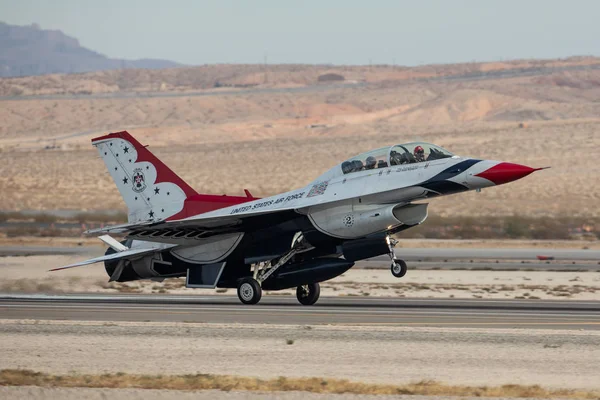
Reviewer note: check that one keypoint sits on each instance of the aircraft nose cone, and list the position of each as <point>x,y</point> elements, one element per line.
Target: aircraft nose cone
<point>506,172</point>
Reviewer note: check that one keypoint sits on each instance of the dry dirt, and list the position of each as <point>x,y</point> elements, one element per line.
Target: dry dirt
<point>370,354</point>
<point>30,275</point>
<point>224,386</point>
<point>275,141</point>
<point>42,393</point>
<point>228,76</point>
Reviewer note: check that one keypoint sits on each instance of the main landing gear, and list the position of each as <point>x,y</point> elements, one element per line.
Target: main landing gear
<point>308,295</point>
<point>399,266</point>
<point>250,288</point>
<point>250,292</point>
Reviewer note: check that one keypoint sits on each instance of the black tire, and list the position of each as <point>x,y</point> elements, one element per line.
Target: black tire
<point>308,295</point>
<point>249,291</point>
<point>399,268</point>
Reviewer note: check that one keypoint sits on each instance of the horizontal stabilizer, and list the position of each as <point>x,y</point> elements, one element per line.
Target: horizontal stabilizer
<point>116,256</point>
<point>113,243</point>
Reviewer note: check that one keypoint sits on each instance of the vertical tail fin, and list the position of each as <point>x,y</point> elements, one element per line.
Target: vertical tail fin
<point>150,189</point>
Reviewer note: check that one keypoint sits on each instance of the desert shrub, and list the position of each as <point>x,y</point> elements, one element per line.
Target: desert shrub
<point>21,230</point>
<point>100,217</point>
<point>511,227</point>
<point>515,227</point>
<point>45,218</point>
<point>331,77</point>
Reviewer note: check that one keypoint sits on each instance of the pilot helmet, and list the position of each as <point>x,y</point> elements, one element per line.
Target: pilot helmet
<point>346,167</point>
<point>419,151</point>
<point>370,162</point>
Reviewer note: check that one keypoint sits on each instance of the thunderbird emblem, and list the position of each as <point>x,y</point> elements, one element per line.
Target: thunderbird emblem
<point>139,181</point>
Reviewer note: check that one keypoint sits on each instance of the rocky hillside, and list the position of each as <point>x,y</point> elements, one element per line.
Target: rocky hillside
<point>29,50</point>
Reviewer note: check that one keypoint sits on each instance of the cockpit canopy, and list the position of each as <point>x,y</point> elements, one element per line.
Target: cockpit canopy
<point>408,153</point>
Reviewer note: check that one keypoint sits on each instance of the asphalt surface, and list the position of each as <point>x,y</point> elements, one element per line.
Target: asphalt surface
<point>286,310</point>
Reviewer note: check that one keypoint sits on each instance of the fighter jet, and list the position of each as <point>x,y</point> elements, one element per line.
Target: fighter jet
<point>292,240</point>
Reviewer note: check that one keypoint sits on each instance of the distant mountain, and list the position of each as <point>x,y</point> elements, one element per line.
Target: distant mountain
<point>29,50</point>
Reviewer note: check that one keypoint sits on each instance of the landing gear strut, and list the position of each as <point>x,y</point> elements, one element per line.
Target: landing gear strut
<point>399,266</point>
<point>308,294</point>
<point>250,288</point>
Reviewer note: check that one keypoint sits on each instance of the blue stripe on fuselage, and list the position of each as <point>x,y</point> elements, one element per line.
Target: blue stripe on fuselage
<point>440,183</point>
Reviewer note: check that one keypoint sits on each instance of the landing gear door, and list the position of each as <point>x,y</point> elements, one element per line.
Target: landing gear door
<point>204,276</point>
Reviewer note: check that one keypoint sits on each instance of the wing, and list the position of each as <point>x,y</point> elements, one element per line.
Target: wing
<point>129,254</point>
<point>201,226</point>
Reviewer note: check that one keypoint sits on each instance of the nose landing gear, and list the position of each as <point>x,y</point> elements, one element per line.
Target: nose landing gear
<point>399,266</point>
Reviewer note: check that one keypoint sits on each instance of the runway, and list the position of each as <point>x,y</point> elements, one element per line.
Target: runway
<point>286,311</point>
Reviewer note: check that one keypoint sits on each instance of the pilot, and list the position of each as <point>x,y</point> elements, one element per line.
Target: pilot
<point>370,162</point>
<point>400,158</point>
<point>395,158</point>
<point>419,154</point>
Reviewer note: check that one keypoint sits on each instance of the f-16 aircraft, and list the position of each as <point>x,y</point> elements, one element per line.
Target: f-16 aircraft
<point>292,240</point>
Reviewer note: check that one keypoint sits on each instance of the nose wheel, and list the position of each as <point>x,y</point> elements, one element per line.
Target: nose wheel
<point>399,268</point>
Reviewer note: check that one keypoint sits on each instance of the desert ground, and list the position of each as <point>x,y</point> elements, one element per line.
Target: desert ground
<point>269,140</point>
<point>35,392</point>
<point>368,354</point>
<point>30,275</point>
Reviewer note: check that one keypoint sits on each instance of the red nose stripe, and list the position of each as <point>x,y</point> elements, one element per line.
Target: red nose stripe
<point>505,172</point>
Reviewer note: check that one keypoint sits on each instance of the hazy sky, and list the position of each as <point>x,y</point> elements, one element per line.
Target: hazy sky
<point>321,31</point>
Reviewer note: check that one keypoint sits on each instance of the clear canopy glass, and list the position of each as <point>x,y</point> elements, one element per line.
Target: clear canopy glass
<point>371,160</point>
<point>407,153</point>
